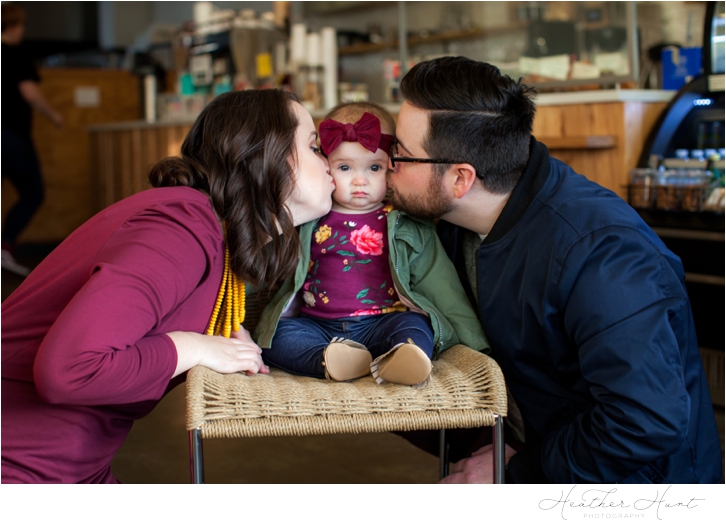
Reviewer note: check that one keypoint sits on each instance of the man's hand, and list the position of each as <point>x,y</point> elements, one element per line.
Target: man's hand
<point>477,469</point>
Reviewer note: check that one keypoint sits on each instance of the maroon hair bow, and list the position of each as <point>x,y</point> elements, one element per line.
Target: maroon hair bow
<point>367,132</point>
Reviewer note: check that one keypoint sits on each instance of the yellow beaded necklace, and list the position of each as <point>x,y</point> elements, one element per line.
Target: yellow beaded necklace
<point>229,309</point>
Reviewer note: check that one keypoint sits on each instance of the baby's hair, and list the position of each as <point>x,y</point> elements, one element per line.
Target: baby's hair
<point>352,111</point>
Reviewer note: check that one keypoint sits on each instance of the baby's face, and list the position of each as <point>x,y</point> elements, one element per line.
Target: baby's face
<point>360,177</point>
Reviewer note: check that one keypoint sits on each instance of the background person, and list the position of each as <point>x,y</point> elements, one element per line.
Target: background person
<point>20,95</point>
<point>105,325</point>
<point>585,308</point>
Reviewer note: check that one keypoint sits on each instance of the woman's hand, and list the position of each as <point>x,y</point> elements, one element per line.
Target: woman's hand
<point>224,355</point>
<point>477,469</point>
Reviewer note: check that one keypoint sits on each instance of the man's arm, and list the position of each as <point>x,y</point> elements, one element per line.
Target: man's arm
<point>625,311</point>
<point>30,90</point>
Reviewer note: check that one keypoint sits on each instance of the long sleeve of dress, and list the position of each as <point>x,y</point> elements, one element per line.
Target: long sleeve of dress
<point>621,303</point>
<point>109,346</point>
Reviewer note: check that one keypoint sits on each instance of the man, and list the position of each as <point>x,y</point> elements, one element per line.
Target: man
<point>585,308</point>
<point>20,94</point>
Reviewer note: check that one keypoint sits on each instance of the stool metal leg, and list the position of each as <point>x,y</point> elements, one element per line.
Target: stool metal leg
<point>196,460</point>
<point>498,434</point>
<point>443,455</point>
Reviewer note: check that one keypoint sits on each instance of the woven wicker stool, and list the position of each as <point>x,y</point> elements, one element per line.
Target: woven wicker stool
<point>466,391</point>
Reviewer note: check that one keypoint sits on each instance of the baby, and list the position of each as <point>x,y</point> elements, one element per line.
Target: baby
<point>379,294</point>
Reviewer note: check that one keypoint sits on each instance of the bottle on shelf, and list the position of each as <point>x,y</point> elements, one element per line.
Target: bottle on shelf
<point>716,133</point>
<point>714,200</point>
<point>694,186</point>
<point>668,196</point>
<point>642,188</point>
<point>697,155</point>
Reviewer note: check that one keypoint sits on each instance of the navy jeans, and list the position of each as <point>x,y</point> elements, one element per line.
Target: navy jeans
<point>20,165</point>
<point>298,344</point>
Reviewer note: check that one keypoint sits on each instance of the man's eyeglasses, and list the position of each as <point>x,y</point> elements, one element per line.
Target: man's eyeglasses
<point>393,155</point>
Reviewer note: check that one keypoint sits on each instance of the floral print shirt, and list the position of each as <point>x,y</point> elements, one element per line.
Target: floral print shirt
<point>349,273</point>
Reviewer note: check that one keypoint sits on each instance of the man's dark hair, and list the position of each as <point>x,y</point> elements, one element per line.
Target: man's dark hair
<point>478,116</point>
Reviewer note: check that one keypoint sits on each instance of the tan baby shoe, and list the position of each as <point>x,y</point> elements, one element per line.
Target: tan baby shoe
<point>345,359</point>
<point>405,364</point>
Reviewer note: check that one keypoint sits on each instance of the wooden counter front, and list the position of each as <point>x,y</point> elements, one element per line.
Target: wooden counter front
<point>124,156</point>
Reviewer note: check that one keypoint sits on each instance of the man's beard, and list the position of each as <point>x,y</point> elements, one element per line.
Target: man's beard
<point>432,205</point>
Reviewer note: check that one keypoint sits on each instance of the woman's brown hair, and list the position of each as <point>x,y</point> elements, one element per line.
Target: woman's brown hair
<point>241,152</point>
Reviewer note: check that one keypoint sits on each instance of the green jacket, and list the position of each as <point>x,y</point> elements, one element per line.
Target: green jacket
<point>422,273</point>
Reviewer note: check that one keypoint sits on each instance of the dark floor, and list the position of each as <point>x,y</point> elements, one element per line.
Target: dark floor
<point>157,449</point>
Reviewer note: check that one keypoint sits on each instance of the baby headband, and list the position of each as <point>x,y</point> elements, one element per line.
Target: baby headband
<point>367,132</point>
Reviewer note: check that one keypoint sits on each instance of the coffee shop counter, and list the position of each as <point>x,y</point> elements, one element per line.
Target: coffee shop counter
<point>600,133</point>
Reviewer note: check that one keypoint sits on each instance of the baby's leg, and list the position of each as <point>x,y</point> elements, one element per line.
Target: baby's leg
<point>400,327</point>
<point>298,347</point>
<point>405,358</point>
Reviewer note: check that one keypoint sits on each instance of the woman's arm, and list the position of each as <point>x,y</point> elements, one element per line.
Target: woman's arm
<point>109,345</point>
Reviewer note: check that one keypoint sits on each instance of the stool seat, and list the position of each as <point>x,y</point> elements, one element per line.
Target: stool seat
<point>466,391</point>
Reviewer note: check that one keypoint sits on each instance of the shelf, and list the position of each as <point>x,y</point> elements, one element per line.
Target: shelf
<point>441,37</point>
<point>704,221</point>
<point>326,8</point>
<point>689,234</point>
<point>578,142</point>
<point>365,48</point>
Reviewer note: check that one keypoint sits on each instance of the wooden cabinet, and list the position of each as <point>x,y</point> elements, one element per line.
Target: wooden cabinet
<point>84,97</point>
<point>601,140</point>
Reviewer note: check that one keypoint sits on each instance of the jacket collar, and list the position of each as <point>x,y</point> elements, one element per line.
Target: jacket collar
<point>533,177</point>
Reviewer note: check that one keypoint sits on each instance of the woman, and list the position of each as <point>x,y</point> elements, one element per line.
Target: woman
<point>101,330</point>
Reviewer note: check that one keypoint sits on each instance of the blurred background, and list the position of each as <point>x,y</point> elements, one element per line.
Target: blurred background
<point>629,93</point>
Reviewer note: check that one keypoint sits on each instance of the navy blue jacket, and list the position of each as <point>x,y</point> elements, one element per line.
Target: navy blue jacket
<point>587,314</point>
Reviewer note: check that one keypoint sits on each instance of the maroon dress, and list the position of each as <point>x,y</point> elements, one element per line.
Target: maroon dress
<point>84,349</point>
